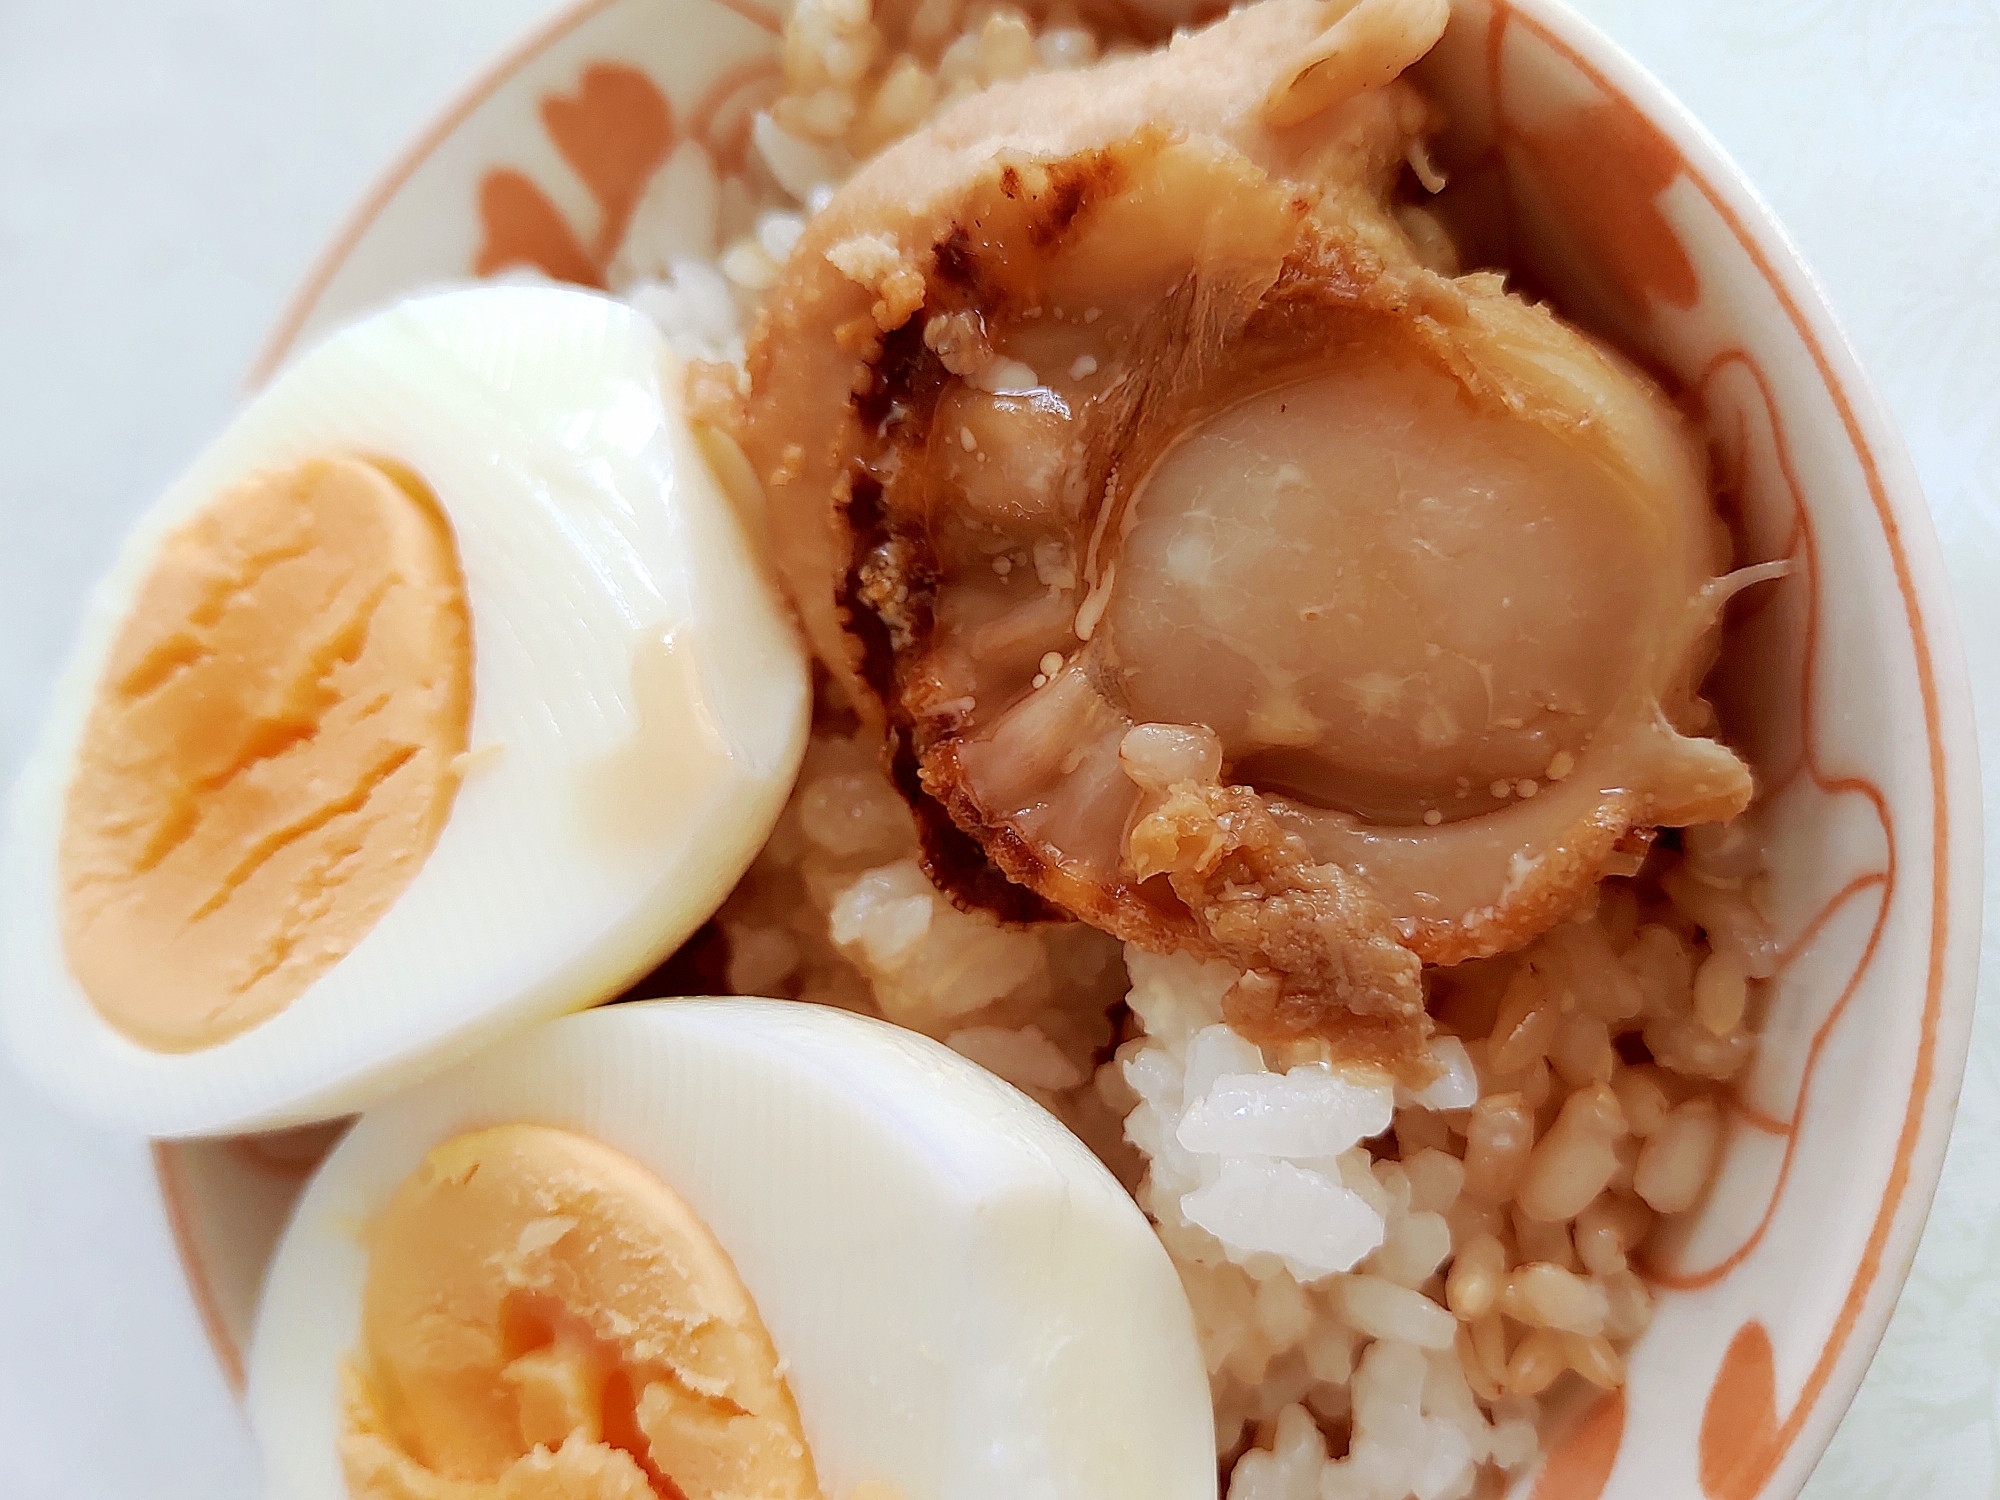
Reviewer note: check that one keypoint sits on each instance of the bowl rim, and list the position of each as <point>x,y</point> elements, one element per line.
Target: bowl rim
<point>1956,876</point>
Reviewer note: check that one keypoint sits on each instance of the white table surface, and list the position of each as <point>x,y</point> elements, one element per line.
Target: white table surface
<point>169,167</point>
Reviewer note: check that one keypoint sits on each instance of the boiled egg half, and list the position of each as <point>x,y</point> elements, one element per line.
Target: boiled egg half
<point>724,1248</point>
<point>444,693</point>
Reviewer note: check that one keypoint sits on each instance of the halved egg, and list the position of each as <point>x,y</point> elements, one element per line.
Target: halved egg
<point>444,692</point>
<point>711,1248</point>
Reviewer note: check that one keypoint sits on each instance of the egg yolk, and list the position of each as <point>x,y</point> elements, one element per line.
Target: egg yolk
<point>272,752</point>
<point>542,1316</point>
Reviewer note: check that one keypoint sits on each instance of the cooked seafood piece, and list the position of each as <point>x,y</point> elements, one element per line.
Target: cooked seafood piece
<point>1231,578</point>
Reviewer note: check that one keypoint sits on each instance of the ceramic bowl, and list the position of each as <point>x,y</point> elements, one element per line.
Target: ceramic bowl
<point>1845,684</point>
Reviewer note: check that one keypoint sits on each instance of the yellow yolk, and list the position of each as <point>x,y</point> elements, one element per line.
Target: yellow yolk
<point>544,1317</point>
<point>272,753</point>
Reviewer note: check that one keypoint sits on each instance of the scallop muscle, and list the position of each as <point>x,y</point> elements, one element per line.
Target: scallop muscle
<point>1233,580</point>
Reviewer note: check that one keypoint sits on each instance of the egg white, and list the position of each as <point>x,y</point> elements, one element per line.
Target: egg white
<point>640,706</point>
<point>967,1304</point>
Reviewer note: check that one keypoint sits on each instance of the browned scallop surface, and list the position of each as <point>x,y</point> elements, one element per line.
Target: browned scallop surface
<point>1219,570</point>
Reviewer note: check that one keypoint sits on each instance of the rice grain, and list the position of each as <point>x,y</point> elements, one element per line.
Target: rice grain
<point>1595,1360</point>
<point>1478,1272</point>
<point>1499,1134</point>
<point>1537,1363</point>
<point>1547,1296</point>
<point>1676,1164</point>
<point>1383,1310</point>
<point>1571,1165</point>
<point>1436,1178</point>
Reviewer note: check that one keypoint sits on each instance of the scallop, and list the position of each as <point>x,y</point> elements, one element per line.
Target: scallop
<point>1220,570</point>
